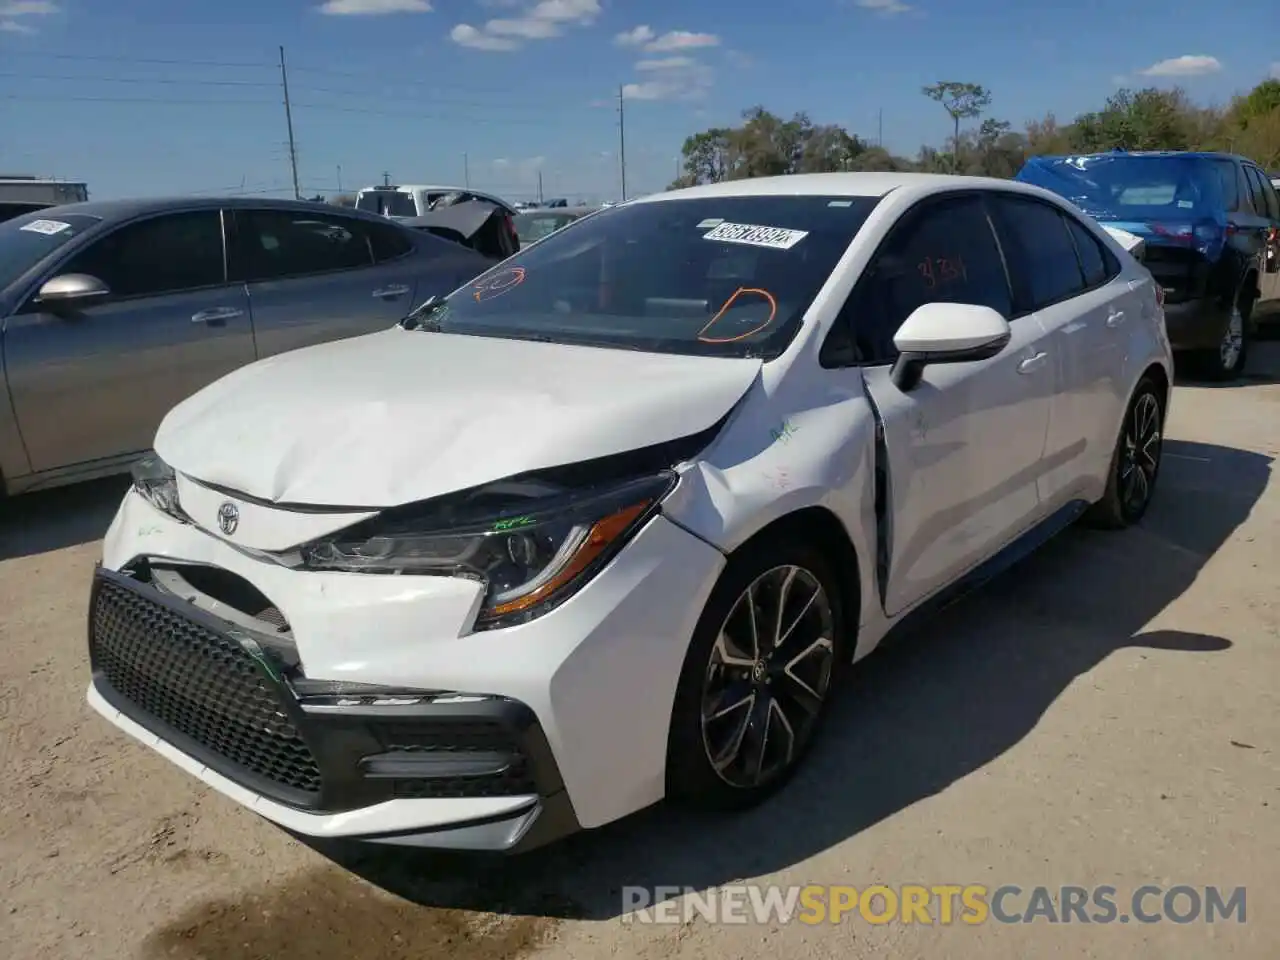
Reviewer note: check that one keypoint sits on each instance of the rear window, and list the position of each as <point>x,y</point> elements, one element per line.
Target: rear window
<point>722,276</point>
<point>28,239</point>
<point>1129,187</point>
<point>388,203</point>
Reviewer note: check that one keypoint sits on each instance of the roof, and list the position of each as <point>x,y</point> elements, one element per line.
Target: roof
<point>1166,154</point>
<point>823,184</point>
<point>121,209</point>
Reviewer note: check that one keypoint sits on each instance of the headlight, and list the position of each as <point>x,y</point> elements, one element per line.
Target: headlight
<point>158,484</point>
<point>530,544</point>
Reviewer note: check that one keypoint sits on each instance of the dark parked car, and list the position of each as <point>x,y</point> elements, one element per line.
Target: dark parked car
<point>1211,227</point>
<point>113,312</point>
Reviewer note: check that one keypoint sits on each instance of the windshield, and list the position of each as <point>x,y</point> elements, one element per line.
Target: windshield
<point>716,276</point>
<point>388,203</point>
<point>1128,187</point>
<point>26,240</point>
<point>535,226</point>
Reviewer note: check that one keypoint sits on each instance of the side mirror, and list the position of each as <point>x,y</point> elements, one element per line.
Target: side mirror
<point>72,286</point>
<point>946,333</point>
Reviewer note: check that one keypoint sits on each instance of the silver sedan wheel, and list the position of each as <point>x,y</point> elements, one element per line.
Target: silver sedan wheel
<point>768,677</point>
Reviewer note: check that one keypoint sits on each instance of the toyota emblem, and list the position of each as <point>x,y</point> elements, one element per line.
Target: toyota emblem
<point>228,518</point>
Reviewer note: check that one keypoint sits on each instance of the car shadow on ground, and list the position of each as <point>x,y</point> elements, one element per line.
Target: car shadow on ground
<point>65,517</point>
<point>917,716</point>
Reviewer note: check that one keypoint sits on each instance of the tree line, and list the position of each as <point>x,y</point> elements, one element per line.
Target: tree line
<point>981,144</point>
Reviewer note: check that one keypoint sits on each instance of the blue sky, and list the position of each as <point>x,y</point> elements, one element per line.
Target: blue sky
<point>152,96</point>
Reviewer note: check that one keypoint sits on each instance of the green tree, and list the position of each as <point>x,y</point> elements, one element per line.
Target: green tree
<point>1148,119</point>
<point>962,101</point>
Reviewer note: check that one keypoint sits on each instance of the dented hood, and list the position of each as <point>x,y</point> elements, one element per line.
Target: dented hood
<point>402,415</point>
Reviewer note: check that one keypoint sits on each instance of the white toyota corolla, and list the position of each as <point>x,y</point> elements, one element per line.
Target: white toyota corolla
<point>608,524</point>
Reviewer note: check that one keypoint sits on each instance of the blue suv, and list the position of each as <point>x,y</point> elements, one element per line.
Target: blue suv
<point>1211,226</point>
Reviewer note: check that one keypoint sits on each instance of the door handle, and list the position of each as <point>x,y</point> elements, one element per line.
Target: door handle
<point>1032,364</point>
<point>1115,318</point>
<point>216,315</point>
<point>395,290</point>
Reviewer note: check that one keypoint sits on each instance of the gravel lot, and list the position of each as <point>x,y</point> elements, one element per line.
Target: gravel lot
<point>1106,714</point>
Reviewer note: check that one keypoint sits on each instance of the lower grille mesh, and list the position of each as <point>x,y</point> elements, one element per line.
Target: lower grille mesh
<point>200,683</point>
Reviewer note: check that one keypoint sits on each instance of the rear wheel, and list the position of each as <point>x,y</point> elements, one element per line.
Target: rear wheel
<point>1228,361</point>
<point>1135,464</point>
<point>756,681</point>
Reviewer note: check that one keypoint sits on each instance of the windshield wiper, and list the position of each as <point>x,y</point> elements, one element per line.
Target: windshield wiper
<point>417,318</point>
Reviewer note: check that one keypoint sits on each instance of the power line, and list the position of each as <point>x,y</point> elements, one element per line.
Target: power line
<point>272,84</point>
<point>219,102</point>
<point>167,63</point>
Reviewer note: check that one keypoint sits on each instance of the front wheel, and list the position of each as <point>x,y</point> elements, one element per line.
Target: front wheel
<point>757,677</point>
<point>1135,463</point>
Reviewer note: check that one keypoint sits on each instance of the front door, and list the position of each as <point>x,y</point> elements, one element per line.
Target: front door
<point>964,446</point>
<point>94,380</point>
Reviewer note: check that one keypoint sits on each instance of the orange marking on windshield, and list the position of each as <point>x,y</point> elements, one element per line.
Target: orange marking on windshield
<point>498,284</point>
<point>773,313</point>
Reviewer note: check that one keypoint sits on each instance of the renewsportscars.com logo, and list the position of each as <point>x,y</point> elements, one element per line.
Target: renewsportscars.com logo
<point>940,904</point>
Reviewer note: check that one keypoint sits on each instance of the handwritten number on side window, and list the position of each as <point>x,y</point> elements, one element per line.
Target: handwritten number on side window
<point>935,271</point>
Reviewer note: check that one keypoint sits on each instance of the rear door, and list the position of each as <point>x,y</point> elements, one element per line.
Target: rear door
<point>94,380</point>
<point>319,276</point>
<point>1063,275</point>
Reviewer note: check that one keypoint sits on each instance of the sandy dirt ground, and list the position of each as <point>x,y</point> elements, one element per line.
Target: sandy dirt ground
<point>1105,714</point>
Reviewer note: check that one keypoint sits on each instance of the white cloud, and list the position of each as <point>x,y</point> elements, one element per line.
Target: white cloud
<point>1275,70</point>
<point>887,7</point>
<point>465,35</point>
<point>1190,65</point>
<point>13,12</point>
<point>681,40</point>
<point>672,78</point>
<point>666,63</point>
<point>373,8</point>
<point>28,8</point>
<point>645,38</point>
<point>542,21</point>
<point>635,37</point>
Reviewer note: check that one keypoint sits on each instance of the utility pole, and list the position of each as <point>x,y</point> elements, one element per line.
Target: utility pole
<point>539,186</point>
<point>466,172</point>
<point>288,118</point>
<point>339,178</point>
<point>386,179</point>
<point>622,140</point>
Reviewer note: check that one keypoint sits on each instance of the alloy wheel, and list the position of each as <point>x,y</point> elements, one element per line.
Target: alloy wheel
<point>768,677</point>
<point>1232,343</point>
<point>1141,456</point>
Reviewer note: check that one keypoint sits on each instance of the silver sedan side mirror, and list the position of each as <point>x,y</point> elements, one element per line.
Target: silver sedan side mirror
<point>72,286</point>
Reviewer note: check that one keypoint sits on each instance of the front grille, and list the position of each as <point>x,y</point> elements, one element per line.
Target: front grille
<point>200,683</point>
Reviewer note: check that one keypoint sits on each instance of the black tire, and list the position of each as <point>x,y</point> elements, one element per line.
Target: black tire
<point>692,779</point>
<point>1135,452</point>
<point>1225,363</point>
